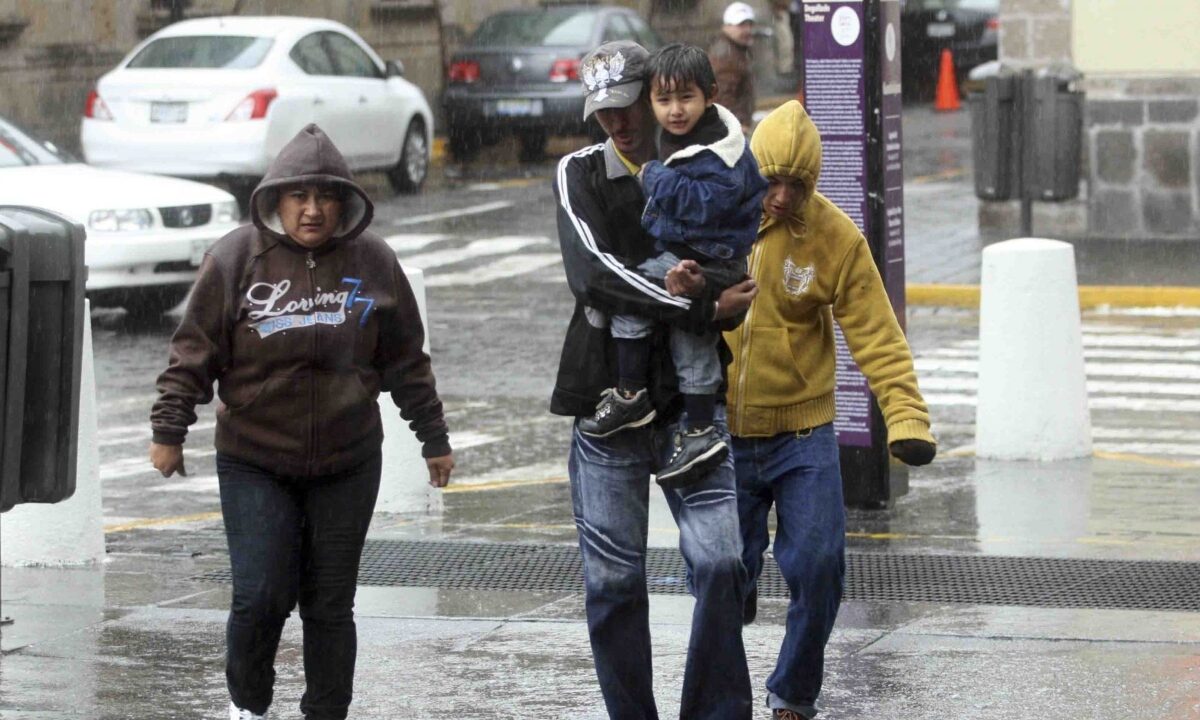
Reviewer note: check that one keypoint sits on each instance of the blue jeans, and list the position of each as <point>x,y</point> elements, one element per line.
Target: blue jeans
<point>800,474</point>
<point>294,540</point>
<point>610,484</point>
<point>697,364</point>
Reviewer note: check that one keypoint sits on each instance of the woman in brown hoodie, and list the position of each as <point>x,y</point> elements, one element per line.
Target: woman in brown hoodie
<point>302,318</point>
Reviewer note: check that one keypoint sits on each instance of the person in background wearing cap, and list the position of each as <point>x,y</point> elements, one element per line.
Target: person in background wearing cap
<point>734,65</point>
<point>815,267</point>
<point>600,204</point>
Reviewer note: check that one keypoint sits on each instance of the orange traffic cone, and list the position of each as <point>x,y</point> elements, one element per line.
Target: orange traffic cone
<point>947,85</point>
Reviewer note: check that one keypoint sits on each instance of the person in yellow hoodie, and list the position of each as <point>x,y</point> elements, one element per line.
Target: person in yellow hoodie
<point>813,266</point>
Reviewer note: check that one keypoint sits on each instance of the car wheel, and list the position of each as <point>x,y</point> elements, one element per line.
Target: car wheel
<point>464,143</point>
<point>533,145</point>
<point>409,174</point>
<point>150,303</point>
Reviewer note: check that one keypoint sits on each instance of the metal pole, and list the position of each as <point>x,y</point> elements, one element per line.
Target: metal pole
<point>1026,165</point>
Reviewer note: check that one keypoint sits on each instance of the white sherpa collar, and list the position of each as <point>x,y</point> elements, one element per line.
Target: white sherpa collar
<point>728,148</point>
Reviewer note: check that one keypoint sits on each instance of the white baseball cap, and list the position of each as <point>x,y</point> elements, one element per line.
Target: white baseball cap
<point>738,13</point>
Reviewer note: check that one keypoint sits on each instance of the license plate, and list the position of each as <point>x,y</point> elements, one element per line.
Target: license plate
<point>514,108</point>
<point>168,112</point>
<point>940,30</point>
<point>199,247</point>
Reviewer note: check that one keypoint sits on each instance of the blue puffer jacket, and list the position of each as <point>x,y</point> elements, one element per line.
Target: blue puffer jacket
<point>706,197</point>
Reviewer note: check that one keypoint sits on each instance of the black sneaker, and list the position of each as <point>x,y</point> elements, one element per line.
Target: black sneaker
<point>616,413</point>
<point>750,609</point>
<point>696,452</point>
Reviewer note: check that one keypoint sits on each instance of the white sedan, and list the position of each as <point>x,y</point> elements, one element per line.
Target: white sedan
<point>146,234</point>
<point>218,97</point>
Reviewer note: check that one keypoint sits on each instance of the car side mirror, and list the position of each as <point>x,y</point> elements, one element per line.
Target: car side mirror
<point>395,68</point>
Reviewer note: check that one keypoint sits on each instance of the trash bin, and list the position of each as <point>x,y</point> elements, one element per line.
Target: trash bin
<point>42,279</point>
<point>994,124</point>
<point>1055,133</point>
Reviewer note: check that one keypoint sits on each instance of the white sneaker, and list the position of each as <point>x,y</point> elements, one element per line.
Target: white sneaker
<point>236,713</point>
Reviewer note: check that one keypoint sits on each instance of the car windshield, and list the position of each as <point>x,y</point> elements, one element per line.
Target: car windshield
<point>561,26</point>
<point>227,52</point>
<point>18,149</point>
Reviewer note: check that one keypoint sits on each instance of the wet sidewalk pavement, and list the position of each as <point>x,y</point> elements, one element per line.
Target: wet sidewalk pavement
<point>990,590</point>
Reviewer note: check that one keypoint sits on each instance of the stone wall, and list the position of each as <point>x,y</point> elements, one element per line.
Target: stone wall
<point>1141,136</point>
<point>1144,139</point>
<point>50,59</point>
<point>1035,33</point>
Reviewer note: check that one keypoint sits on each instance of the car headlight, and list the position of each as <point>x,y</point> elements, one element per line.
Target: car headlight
<point>225,212</point>
<point>120,220</point>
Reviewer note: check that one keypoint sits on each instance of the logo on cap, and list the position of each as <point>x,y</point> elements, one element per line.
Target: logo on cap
<point>600,72</point>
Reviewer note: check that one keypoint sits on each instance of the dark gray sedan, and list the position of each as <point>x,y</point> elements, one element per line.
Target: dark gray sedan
<point>519,73</point>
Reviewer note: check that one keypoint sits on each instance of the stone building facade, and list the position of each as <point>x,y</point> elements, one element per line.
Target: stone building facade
<point>53,51</point>
<point>1141,135</point>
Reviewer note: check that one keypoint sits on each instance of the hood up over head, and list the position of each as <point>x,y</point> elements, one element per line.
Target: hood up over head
<point>786,143</point>
<point>311,157</point>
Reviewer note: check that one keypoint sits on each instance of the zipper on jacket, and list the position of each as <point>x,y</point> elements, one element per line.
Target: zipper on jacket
<point>311,264</point>
<point>756,254</point>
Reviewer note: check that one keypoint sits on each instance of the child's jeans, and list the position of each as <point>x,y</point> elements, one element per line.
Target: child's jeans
<point>695,356</point>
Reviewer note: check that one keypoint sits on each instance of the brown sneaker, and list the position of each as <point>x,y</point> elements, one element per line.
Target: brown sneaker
<point>785,714</point>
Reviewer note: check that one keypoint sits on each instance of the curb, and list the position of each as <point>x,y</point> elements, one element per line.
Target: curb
<point>1090,296</point>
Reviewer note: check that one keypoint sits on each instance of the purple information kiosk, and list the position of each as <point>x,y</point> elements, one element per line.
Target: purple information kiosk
<point>851,87</point>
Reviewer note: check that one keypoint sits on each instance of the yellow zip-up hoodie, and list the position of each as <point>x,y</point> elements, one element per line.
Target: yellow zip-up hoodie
<point>810,269</point>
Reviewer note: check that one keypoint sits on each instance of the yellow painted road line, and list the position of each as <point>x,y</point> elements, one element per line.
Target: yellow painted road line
<point>157,522</point>
<point>949,174</point>
<point>969,451</point>
<point>1144,460</point>
<point>501,485</point>
<point>1090,296</point>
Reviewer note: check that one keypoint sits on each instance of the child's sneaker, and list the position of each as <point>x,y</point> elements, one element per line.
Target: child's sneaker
<point>696,452</point>
<point>616,413</point>
<point>236,713</point>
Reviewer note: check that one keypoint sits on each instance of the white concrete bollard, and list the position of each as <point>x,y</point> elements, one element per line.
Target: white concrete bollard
<point>404,487</point>
<point>1032,402</point>
<point>70,532</point>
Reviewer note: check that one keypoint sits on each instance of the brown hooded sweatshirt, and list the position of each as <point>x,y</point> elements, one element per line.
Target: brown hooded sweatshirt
<point>301,342</point>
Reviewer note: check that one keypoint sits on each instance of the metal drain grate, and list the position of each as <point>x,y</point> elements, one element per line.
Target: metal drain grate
<point>972,579</point>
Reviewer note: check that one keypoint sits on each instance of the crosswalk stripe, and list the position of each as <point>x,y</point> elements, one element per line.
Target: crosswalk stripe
<point>1163,371</point>
<point>141,432</point>
<point>414,242</point>
<point>446,214</point>
<point>472,250</point>
<point>510,266</point>
<point>940,382</point>
<point>1088,354</point>
<point>1096,403</point>
<point>140,464</point>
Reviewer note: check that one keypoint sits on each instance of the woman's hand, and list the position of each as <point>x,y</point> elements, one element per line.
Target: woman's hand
<point>167,459</point>
<point>685,278</point>
<point>440,469</point>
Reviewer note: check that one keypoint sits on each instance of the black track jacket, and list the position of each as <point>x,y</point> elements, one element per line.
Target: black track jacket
<point>599,207</point>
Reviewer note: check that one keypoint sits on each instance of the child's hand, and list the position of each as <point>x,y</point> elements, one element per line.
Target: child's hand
<point>685,279</point>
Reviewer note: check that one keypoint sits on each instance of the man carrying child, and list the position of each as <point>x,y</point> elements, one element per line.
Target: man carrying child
<point>704,203</point>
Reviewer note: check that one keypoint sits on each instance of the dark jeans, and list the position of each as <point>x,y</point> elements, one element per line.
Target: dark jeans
<point>294,539</point>
<point>610,482</point>
<point>801,476</point>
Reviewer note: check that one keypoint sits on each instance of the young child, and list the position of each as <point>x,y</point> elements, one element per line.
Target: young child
<point>703,202</point>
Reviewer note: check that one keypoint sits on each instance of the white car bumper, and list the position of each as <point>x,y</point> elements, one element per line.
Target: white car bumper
<point>235,148</point>
<point>161,257</point>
